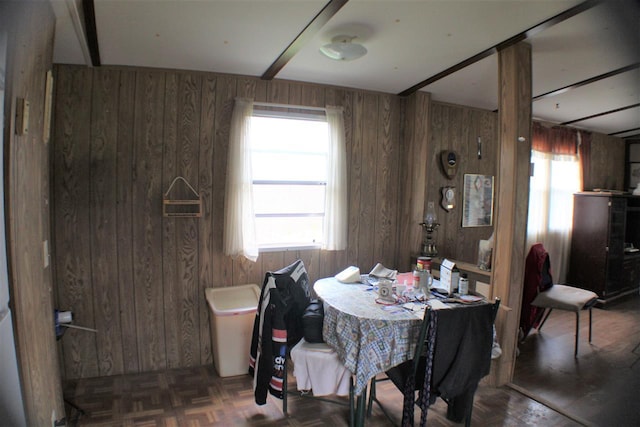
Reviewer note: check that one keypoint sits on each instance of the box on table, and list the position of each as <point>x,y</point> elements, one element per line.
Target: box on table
<point>449,276</point>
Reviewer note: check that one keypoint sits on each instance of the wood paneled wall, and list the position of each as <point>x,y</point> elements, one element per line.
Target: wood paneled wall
<point>121,136</point>
<point>30,28</point>
<point>607,163</point>
<point>458,128</point>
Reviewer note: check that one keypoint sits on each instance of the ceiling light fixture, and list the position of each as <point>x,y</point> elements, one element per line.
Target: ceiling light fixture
<point>342,49</point>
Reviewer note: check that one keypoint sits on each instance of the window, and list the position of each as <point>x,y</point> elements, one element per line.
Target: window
<point>296,166</point>
<point>556,178</point>
<point>289,163</point>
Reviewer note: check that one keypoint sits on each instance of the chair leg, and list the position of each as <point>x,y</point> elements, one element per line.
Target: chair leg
<point>467,417</point>
<point>589,325</point>
<point>285,389</point>
<point>575,351</point>
<point>545,319</point>
<point>372,396</point>
<point>352,412</point>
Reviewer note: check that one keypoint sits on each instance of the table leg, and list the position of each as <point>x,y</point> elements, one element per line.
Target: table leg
<point>361,407</point>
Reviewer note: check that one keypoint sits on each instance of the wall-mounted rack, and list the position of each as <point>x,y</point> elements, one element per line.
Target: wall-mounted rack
<point>182,208</point>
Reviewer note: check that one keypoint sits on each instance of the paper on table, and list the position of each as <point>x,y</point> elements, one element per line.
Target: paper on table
<point>437,304</point>
<point>382,272</point>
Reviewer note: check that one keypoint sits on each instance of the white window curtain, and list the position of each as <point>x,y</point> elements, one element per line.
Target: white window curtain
<point>239,227</point>
<point>335,216</point>
<point>556,178</point>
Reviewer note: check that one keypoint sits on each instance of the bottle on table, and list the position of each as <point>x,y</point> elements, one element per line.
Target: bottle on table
<point>463,284</point>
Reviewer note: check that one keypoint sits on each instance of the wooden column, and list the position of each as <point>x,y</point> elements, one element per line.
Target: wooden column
<point>512,198</point>
<point>414,159</point>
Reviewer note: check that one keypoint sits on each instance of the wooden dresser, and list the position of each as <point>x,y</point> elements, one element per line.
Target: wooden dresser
<point>603,224</point>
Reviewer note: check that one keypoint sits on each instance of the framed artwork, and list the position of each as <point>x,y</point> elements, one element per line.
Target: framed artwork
<point>634,175</point>
<point>477,204</point>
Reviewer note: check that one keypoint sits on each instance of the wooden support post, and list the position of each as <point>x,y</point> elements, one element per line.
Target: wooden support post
<point>512,198</point>
<point>413,177</point>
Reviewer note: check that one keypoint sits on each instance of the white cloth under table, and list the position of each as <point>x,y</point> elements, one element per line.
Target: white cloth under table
<point>317,368</point>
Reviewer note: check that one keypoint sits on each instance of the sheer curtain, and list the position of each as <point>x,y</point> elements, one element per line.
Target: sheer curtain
<point>239,227</point>
<point>557,176</point>
<point>335,215</point>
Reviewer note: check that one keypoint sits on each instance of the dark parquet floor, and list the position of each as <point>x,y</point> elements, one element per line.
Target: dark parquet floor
<point>600,388</point>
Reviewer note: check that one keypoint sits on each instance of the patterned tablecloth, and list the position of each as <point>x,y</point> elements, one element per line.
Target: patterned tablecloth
<point>369,337</point>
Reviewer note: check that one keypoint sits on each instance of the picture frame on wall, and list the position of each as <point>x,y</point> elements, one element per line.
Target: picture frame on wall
<point>477,205</point>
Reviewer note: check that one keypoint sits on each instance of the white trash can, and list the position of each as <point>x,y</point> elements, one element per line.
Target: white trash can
<point>233,311</point>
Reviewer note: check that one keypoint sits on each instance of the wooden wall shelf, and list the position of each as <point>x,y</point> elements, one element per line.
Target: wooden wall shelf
<point>182,208</point>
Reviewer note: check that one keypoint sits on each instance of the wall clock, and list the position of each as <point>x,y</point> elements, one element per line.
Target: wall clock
<point>448,198</point>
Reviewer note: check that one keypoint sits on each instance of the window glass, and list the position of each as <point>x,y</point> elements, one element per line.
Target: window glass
<point>289,164</point>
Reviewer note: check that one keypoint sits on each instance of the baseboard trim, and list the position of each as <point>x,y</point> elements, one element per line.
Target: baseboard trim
<point>549,404</point>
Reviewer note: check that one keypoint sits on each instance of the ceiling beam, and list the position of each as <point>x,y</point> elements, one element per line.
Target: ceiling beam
<point>588,81</point>
<point>88,8</point>
<point>563,16</point>
<point>604,113</point>
<point>303,38</point>
<point>624,131</point>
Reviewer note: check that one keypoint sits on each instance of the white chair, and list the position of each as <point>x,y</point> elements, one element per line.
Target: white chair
<point>319,373</point>
<point>562,297</point>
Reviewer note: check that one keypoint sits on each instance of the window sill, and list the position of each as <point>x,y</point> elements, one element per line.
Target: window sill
<point>288,248</point>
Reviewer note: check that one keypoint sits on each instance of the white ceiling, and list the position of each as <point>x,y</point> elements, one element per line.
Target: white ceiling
<point>407,42</point>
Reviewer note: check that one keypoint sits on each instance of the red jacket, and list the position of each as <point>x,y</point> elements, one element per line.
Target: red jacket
<point>537,278</point>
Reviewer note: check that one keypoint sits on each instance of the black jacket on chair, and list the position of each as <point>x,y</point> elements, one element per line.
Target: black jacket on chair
<point>461,357</point>
<point>278,325</point>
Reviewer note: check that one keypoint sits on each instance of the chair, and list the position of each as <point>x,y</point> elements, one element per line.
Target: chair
<point>452,354</point>
<point>541,295</point>
<point>319,373</point>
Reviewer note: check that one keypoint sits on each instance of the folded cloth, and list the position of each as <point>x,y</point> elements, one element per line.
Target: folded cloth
<point>382,272</point>
<point>317,368</point>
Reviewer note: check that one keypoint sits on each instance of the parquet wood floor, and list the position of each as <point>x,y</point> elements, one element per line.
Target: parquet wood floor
<point>196,397</point>
<point>599,388</point>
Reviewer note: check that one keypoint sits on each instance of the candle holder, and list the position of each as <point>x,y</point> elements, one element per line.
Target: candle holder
<point>430,225</point>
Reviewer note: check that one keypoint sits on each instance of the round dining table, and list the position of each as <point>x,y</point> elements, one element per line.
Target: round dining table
<point>369,335</point>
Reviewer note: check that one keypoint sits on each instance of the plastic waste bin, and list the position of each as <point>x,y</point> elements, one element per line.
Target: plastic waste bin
<point>233,311</point>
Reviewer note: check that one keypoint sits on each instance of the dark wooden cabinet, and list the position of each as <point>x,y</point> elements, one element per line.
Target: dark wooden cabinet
<point>604,226</point>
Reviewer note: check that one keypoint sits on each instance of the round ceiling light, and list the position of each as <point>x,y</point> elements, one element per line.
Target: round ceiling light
<point>342,49</point>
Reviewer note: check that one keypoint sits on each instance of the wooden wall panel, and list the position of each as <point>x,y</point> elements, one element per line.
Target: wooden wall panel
<point>415,164</point>
<point>457,128</point>
<point>124,220</point>
<point>29,28</point>
<point>607,154</point>
<point>170,254</point>
<point>187,287</point>
<point>387,176</point>
<point>72,169</point>
<point>205,232</point>
<point>147,221</point>
<point>103,237</point>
